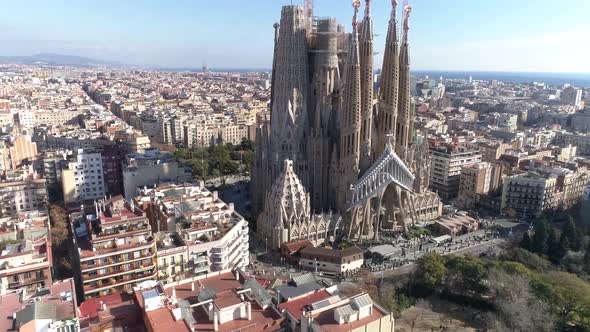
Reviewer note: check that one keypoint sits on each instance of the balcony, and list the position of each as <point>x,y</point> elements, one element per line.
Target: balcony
<point>135,276</point>
<point>201,268</point>
<point>26,282</point>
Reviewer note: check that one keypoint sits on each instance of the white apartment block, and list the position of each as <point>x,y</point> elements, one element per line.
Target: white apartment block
<point>447,163</point>
<point>84,178</point>
<point>215,234</point>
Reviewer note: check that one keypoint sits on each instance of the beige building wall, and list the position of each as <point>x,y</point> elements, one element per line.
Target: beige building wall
<point>22,149</point>
<point>68,186</point>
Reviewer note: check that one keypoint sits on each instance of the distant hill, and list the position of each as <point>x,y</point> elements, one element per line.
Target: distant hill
<point>57,60</point>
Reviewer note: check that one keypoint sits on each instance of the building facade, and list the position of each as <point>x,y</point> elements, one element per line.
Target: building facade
<point>447,163</point>
<point>474,181</point>
<point>83,180</point>
<point>152,167</point>
<point>115,248</point>
<point>215,236</point>
<point>26,259</point>
<point>22,191</point>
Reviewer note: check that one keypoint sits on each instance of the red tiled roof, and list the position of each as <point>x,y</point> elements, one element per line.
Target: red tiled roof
<point>294,307</point>
<point>294,247</point>
<point>90,308</point>
<point>226,299</point>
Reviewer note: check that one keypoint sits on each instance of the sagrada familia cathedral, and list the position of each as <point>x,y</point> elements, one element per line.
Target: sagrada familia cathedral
<point>339,158</point>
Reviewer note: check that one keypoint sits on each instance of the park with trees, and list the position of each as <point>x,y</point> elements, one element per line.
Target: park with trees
<point>217,160</point>
<point>540,282</point>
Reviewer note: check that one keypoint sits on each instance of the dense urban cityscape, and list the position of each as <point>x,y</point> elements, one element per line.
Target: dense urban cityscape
<point>331,193</point>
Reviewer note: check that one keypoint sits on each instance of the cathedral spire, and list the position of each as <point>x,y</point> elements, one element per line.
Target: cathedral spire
<point>405,102</point>
<point>274,60</point>
<point>290,84</point>
<point>388,96</point>
<point>350,122</point>
<point>366,63</point>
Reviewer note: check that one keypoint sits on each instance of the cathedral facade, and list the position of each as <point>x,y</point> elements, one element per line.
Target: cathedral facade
<point>352,149</point>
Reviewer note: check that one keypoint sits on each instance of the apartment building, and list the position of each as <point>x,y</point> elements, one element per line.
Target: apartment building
<point>203,135</point>
<point>21,191</point>
<point>52,309</point>
<point>580,140</point>
<point>474,180</point>
<point>447,162</point>
<point>58,117</point>
<point>215,234</point>
<point>25,254</point>
<point>573,183</point>
<point>491,151</point>
<point>529,194</point>
<point>116,248</point>
<point>83,180</point>
<point>22,150</point>
<point>50,165</point>
<point>310,305</point>
<point>172,257</point>
<point>222,301</point>
<point>150,168</point>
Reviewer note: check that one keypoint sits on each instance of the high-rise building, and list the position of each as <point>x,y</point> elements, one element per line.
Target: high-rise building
<point>322,108</point>
<point>83,180</point>
<point>447,162</point>
<point>572,96</point>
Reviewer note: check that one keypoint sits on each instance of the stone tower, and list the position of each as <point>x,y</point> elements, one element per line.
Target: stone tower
<point>366,63</point>
<point>404,107</point>
<point>350,120</point>
<point>388,96</point>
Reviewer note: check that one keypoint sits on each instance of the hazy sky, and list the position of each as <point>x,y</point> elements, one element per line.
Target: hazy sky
<point>502,35</point>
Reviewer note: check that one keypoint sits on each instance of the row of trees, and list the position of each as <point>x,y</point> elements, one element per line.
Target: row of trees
<point>218,160</point>
<point>60,241</point>
<point>558,245</point>
<point>514,297</point>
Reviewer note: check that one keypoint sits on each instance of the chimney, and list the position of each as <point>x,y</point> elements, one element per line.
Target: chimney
<point>215,196</point>
<point>174,292</point>
<point>237,275</point>
<point>192,286</point>
<point>249,310</point>
<point>278,297</point>
<point>215,323</point>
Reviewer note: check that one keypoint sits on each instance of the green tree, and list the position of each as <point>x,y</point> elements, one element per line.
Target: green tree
<point>246,145</point>
<point>587,260</point>
<point>555,251</point>
<point>465,275</point>
<point>568,295</point>
<point>571,233</point>
<point>431,270</point>
<point>539,243</point>
<point>525,242</point>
